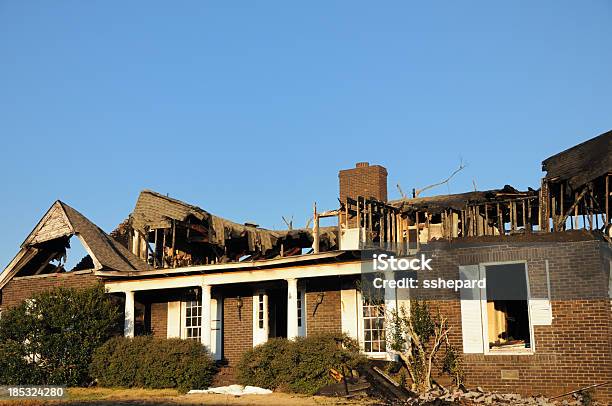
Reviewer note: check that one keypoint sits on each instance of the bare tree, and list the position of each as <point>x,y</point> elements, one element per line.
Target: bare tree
<point>417,192</point>
<point>417,338</point>
<point>308,223</point>
<point>289,223</point>
<point>401,191</point>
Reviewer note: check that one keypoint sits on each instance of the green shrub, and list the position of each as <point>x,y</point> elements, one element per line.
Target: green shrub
<point>267,365</point>
<point>301,365</point>
<point>117,361</point>
<point>153,363</point>
<point>50,338</point>
<point>14,368</point>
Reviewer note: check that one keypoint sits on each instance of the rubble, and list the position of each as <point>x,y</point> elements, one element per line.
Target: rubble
<point>461,396</point>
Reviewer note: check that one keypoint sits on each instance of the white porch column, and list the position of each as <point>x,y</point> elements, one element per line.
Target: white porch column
<point>128,326</point>
<point>206,332</point>
<point>390,304</point>
<point>292,308</point>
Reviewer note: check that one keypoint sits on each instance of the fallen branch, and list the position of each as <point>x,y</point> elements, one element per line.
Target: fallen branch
<point>582,389</point>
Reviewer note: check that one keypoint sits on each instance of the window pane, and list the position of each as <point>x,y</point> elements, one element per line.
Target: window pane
<point>508,324</point>
<point>373,326</point>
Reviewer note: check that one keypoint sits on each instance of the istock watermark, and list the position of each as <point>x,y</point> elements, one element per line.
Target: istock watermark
<point>439,283</point>
<point>385,262</point>
<point>384,270</point>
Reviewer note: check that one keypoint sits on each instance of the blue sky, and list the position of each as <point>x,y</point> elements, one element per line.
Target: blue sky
<point>249,109</point>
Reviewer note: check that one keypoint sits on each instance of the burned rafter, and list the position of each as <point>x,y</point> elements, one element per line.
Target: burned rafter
<point>576,188</point>
<point>472,213</point>
<point>167,232</point>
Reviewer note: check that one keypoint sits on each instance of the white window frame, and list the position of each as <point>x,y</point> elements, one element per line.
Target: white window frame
<point>185,329</point>
<point>301,305</point>
<point>361,331</point>
<point>260,313</point>
<point>485,318</point>
<point>216,314</point>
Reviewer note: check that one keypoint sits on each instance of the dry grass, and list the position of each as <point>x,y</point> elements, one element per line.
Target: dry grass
<point>155,397</point>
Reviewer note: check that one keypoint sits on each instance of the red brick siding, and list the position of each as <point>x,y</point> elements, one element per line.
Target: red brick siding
<point>18,289</point>
<point>571,353</point>
<point>159,319</point>
<point>156,304</point>
<point>576,350</point>
<point>326,317</point>
<point>237,326</point>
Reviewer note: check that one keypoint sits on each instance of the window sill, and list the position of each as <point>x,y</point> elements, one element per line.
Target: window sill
<point>510,351</point>
<point>377,355</point>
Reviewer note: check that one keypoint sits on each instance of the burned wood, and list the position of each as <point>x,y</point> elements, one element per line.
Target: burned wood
<point>582,163</point>
<point>573,207</point>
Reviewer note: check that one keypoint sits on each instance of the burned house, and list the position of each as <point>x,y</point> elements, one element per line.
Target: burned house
<point>542,325</point>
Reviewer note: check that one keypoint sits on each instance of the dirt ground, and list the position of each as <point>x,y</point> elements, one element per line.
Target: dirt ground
<point>150,397</point>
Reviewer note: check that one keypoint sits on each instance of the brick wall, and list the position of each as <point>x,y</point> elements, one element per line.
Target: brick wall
<point>18,289</point>
<point>576,350</point>
<point>363,180</point>
<point>237,324</point>
<point>159,319</point>
<point>326,316</point>
<point>156,307</point>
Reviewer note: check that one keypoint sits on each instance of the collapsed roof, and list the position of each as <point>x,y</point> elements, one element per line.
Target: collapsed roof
<point>183,234</point>
<point>440,203</point>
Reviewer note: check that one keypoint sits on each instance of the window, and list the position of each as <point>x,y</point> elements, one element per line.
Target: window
<point>507,307</point>
<point>299,309</point>
<point>373,325</point>
<point>260,311</point>
<point>193,319</point>
<point>499,318</point>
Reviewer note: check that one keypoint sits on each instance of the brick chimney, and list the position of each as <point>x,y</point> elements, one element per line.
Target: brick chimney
<point>363,180</point>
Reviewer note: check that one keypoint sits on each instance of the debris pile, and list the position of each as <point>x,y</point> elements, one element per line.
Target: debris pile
<point>462,396</point>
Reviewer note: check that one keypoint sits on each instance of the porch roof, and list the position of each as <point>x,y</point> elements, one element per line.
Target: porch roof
<point>306,259</point>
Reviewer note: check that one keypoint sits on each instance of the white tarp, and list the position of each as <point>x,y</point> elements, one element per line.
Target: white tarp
<point>236,390</point>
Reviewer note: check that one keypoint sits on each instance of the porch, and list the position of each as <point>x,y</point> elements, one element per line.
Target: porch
<point>231,310</point>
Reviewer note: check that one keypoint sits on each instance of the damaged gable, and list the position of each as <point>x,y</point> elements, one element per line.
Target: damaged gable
<point>53,225</point>
<point>50,240</point>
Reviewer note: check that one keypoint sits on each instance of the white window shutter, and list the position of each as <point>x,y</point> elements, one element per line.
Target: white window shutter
<point>471,312</point>
<point>349,315</point>
<point>540,309</point>
<point>174,320</point>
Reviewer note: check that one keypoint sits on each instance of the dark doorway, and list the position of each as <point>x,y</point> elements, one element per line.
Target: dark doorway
<point>277,312</point>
